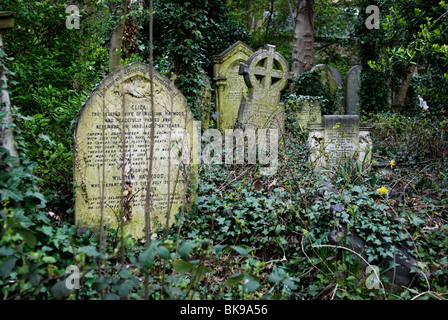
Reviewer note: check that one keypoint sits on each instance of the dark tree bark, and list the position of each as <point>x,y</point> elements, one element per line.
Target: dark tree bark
<point>303,43</point>
<point>116,39</point>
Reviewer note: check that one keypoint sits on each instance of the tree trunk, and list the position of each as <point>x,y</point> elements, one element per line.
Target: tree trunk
<point>116,39</point>
<point>400,95</point>
<point>303,43</point>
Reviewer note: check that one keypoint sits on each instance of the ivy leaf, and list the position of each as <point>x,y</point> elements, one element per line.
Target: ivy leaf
<point>100,284</point>
<point>90,251</point>
<point>22,219</point>
<point>163,252</point>
<point>186,247</point>
<point>60,290</point>
<point>250,283</point>
<point>7,267</point>
<point>6,251</point>
<point>125,273</point>
<point>124,289</point>
<point>49,259</point>
<point>182,266</point>
<point>234,279</point>
<point>12,194</point>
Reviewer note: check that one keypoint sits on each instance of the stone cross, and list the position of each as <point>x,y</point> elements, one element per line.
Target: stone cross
<point>307,109</point>
<point>267,74</point>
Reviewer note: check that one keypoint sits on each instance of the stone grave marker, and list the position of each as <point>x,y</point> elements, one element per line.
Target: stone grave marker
<point>112,150</point>
<point>351,87</point>
<point>266,74</point>
<point>308,109</point>
<point>327,76</point>
<point>336,76</point>
<point>339,138</point>
<point>230,86</point>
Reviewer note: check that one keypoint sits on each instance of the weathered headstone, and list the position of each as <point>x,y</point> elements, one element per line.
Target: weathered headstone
<point>336,76</point>
<point>230,86</point>
<point>338,139</point>
<point>266,73</point>
<point>351,87</point>
<point>307,109</point>
<point>327,77</point>
<point>112,150</point>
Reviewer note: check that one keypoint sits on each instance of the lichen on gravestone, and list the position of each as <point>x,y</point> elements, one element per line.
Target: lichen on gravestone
<point>230,86</point>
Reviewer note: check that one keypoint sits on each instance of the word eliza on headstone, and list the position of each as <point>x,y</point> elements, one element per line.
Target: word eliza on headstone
<point>112,150</point>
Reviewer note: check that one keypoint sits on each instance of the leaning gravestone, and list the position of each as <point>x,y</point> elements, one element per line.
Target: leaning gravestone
<point>267,74</point>
<point>339,139</point>
<point>231,87</point>
<point>336,76</point>
<point>351,88</point>
<point>112,150</point>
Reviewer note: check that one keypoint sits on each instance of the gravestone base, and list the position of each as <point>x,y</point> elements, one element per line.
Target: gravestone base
<point>340,140</point>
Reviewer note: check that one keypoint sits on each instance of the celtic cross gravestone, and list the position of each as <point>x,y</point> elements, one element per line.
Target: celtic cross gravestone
<point>266,73</point>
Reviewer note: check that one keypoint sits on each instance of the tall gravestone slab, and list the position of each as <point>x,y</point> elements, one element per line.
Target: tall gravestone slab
<point>230,86</point>
<point>330,77</point>
<point>351,88</point>
<point>112,149</point>
<point>338,139</point>
<point>267,74</point>
<point>204,100</point>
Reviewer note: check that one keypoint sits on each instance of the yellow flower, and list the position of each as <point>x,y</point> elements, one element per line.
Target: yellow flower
<point>382,190</point>
<point>392,163</point>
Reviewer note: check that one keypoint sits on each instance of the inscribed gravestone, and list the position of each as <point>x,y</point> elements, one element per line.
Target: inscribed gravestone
<point>112,149</point>
<point>266,73</point>
<point>336,75</point>
<point>339,138</point>
<point>327,76</point>
<point>231,87</point>
<point>351,87</point>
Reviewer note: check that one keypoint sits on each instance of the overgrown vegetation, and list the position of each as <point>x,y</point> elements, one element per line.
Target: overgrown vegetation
<point>246,236</point>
